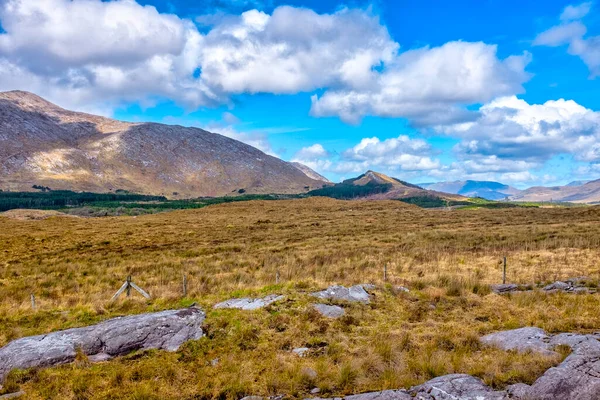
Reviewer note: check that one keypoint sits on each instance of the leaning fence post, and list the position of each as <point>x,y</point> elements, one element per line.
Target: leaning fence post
<point>32,301</point>
<point>504,272</point>
<point>184,285</point>
<point>128,285</point>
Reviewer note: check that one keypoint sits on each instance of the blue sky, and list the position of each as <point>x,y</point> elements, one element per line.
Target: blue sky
<point>422,90</point>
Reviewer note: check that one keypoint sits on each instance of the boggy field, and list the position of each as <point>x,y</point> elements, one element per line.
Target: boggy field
<point>446,258</point>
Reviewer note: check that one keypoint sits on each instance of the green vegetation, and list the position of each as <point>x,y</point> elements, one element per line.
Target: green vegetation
<point>348,191</point>
<point>112,204</point>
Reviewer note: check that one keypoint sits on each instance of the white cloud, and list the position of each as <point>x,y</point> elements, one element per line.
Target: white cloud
<point>313,152</point>
<point>512,130</point>
<point>560,34</point>
<point>63,33</point>
<point>429,85</point>
<point>576,12</point>
<point>401,154</point>
<point>294,50</point>
<point>572,32</point>
<point>82,52</point>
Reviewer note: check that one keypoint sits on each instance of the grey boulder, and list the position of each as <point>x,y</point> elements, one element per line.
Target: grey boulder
<point>166,330</point>
<point>504,288</point>
<point>522,340</point>
<point>355,293</point>
<point>329,311</point>
<point>250,304</point>
<point>383,395</point>
<point>455,386</point>
<point>576,378</point>
<point>558,286</point>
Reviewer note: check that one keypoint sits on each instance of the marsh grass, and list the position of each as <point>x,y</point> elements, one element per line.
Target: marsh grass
<point>447,258</point>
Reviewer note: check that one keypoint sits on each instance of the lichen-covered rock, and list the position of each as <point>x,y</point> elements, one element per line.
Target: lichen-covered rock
<point>558,286</point>
<point>522,340</point>
<point>329,311</point>
<point>504,288</point>
<point>576,378</point>
<point>355,293</point>
<point>301,351</point>
<point>250,304</point>
<point>166,330</point>
<point>383,395</point>
<point>455,386</point>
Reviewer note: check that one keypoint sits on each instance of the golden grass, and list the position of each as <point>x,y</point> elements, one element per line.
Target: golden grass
<point>447,258</point>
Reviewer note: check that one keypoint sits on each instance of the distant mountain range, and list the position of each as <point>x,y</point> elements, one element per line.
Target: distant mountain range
<point>574,192</point>
<point>45,146</point>
<point>484,189</point>
<point>585,193</point>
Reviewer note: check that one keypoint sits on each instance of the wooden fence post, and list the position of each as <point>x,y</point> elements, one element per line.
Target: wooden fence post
<point>184,285</point>
<point>504,272</point>
<point>32,301</point>
<point>277,277</point>
<point>385,272</point>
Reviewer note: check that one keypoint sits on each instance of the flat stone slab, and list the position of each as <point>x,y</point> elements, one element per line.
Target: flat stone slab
<point>453,387</point>
<point>250,304</point>
<point>564,286</point>
<point>329,311</point>
<point>504,288</point>
<point>522,340</point>
<point>166,330</point>
<point>355,293</point>
<point>383,395</point>
<point>576,378</point>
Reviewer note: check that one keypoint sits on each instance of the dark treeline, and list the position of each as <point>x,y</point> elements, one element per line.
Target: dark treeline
<point>348,190</point>
<point>57,199</point>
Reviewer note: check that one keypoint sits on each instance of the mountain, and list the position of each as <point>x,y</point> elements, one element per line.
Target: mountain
<point>484,189</point>
<point>310,172</point>
<point>44,145</point>
<point>586,193</point>
<point>377,186</point>
<point>577,183</point>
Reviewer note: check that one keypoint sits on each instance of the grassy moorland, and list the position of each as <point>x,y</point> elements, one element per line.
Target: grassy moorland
<point>446,257</point>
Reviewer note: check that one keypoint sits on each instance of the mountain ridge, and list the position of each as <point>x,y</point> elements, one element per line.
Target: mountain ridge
<point>45,145</point>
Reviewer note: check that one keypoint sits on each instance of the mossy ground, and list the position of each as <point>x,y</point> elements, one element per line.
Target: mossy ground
<point>446,258</point>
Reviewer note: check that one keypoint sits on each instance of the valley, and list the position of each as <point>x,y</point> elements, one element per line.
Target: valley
<point>446,258</point>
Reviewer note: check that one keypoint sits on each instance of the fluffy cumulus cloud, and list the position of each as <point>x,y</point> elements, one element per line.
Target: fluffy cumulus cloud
<point>91,51</point>
<point>512,131</point>
<point>294,50</point>
<point>572,32</point>
<point>79,52</point>
<point>82,51</point>
<point>429,85</point>
<point>398,155</point>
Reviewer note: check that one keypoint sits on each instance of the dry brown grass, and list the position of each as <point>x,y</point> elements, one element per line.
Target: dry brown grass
<point>447,258</point>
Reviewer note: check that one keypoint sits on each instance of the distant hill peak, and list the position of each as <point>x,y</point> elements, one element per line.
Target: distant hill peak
<point>311,173</point>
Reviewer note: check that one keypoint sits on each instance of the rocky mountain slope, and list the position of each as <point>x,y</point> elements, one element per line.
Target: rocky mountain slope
<point>587,193</point>
<point>44,145</point>
<point>484,189</point>
<point>374,185</point>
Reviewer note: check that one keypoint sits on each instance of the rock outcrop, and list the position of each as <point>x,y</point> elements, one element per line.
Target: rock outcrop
<point>355,293</point>
<point>250,304</point>
<point>522,339</point>
<point>329,311</point>
<point>166,330</point>
<point>576,378</point>
<point>455,386</point>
